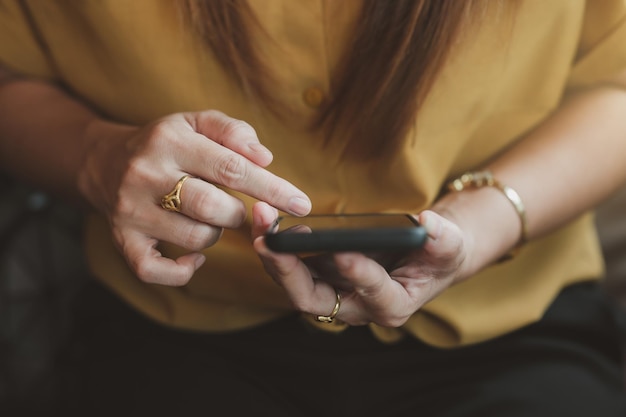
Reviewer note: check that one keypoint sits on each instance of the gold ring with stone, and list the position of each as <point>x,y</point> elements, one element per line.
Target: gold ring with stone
<point>171,201</point>
<point>331,317</point>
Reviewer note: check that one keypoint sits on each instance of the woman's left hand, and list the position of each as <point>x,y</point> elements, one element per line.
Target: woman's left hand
<point>369,293</point>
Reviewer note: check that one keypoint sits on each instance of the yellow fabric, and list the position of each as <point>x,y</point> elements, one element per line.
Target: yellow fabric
<point>133,62</point>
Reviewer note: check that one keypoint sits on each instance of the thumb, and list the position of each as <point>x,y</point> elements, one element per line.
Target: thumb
<point>263,216</point>
<point>445,238</point>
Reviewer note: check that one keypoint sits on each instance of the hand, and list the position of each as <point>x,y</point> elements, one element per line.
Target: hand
<point>369,292</point>
<point>127,170</point>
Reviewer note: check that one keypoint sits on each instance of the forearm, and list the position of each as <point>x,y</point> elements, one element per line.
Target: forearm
<point>566,166</point>
<point>42,134</point>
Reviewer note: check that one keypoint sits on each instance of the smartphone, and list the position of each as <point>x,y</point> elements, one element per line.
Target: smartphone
<point>378,232</point>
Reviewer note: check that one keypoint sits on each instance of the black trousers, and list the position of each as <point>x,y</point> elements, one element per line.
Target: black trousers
<point>568,364</point>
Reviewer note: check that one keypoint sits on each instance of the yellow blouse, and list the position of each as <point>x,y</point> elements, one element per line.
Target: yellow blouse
<point>133,62</point>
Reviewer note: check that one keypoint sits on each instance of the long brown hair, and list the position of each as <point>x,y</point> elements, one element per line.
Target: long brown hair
<point>398,49</point>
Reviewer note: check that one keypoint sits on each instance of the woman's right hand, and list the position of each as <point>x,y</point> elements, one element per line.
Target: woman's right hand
<point>127,170</point>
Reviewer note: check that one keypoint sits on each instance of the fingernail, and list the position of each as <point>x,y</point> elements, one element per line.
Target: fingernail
<point>256,147</point>
<point>200,261</point>
<point>344,261</point>
<point>432,224</point>
<point>299,206</point>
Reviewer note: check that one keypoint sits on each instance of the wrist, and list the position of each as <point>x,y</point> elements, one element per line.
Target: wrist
<point>101,144</point>
<point>490,225</point>
<point>479,179</point>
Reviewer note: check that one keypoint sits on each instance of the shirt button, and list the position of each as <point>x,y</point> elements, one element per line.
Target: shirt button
<point>313,97</point>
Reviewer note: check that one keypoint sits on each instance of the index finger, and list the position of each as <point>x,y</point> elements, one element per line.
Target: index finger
<point>385,299</point>
<point>220,165</point>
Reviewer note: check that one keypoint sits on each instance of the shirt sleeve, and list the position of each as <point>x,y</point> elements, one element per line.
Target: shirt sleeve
<point>602,47</point>
<point>20,49</point>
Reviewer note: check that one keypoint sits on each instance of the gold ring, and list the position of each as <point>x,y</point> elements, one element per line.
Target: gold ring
<point>330,318</point>
<point>171,201</point>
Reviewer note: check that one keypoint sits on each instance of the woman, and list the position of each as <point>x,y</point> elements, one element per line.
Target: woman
<point>330,107</point>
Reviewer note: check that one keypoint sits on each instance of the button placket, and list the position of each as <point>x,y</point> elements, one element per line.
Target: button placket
<point>313,97</point>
